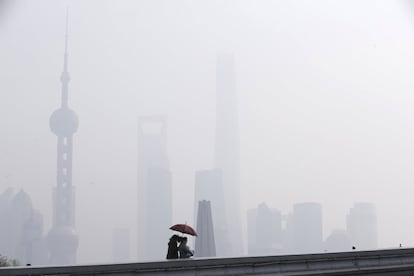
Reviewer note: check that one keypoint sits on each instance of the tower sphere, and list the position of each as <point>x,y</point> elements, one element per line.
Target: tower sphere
<point>63,121</point>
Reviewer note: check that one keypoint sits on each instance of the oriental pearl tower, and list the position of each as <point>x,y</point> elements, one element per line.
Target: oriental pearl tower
<point>62,238</point>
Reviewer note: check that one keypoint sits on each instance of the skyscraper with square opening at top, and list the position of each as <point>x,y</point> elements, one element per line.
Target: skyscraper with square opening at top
<point>154,188</point>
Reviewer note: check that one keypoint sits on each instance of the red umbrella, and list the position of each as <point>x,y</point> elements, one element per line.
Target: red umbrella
<point>184,228</point>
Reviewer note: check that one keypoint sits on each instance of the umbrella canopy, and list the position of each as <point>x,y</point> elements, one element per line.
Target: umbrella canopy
<point>184,228</point>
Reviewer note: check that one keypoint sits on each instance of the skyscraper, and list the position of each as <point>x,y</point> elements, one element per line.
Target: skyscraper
<point>337,241</point>
<point>205,245</point>
<point>120,245</point>
<point>226,155</point>
<point>62,238</point>
<point>209,186</point>
<point>154,188</point>
<point>21,229</point>
<point>264,231</point>
<point>361,225</point>
<point>306,228</point>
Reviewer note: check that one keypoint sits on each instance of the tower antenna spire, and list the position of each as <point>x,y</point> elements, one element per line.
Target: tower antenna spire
<point>65,78</point>
<point>66,40</point>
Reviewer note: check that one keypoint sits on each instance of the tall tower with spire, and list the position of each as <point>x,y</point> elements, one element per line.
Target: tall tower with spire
<point>62,238</point>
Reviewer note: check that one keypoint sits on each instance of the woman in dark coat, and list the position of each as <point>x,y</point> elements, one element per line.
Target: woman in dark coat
<point>172,247</point>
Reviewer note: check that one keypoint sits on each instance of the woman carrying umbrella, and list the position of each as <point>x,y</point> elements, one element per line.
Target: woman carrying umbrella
<point>183,248</point>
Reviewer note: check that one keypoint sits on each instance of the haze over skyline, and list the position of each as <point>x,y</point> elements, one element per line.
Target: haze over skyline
<point>325,95</point>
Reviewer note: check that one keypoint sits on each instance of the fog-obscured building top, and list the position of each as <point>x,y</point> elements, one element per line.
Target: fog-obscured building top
<point>209,186</point>
<point>21,229</point>
<point>337,241</point>
<point>306,228</point>
<point>264,231</point>
<point>361,225</point>
<point>205,245</point>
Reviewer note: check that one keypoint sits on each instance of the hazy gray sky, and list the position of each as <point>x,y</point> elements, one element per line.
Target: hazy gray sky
<point>325,100</point>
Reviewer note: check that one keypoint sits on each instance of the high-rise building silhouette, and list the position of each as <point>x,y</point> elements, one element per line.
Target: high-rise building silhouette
<point>361,225</point>
<point>226,155</point>
<point>21,229</point>
<point>205,245</point>
<point>120,245</point>
<point>154,188</point>
<point>62,238</point>
<point>209,186</point>
<point>264,231</point>
<point>12,220</point>
<point>305,228</point>
<point>337,241</point>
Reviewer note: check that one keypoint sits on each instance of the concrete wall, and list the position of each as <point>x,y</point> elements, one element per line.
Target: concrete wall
<point>379,262</point>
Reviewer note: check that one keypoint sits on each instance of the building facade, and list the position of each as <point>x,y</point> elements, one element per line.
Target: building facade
<point>21,230</point>
<point>305,228</point>
<point>264,231</point>
<point>120,245</point>
<point>361,225</point>
<point>154,188</point>
<point>227,155</point>
<point>209,186</point>
<point>205,245</point>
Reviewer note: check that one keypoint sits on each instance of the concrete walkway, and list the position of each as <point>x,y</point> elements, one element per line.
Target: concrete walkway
<point>378,262</point>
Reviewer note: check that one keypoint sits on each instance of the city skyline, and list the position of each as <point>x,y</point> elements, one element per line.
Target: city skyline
<point>325,105</point>
<point>300,231</point>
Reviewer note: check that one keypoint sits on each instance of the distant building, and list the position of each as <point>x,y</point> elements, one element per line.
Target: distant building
<point>209,186</point>
<point>205,245</point>
<point>305,227</point>
<point>154,188</point>
<point>21,230</point>
<point>361,225</point>
<point>337,241</point>
<point>264,231</point>
<point>120,245</point>
<point>35,247</point>
<point>7,243</point>
<point>21,210</point>
<point>227,155</point>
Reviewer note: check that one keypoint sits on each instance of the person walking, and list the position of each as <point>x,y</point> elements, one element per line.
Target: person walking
<point>184,250</point>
